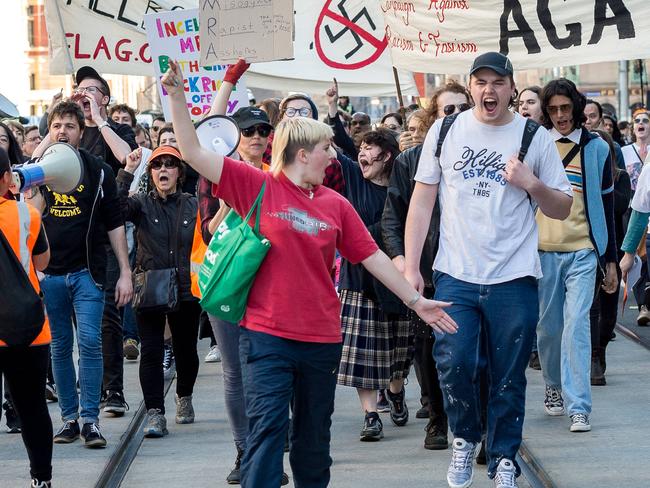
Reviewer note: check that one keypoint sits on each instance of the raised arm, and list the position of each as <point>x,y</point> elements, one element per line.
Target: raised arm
<point>230,79</point>
<point>207,163</point>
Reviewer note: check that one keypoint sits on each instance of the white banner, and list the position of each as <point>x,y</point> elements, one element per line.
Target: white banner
<point>343,39</point>
<point>444,36</point>
<point>173,35</point>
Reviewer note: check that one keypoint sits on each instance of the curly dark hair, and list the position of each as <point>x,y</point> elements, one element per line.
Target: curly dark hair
<point>123,107</point>
<point>451,86</point>
<point>567,88</point>
<point>385,139</point>
<point>64,108</point>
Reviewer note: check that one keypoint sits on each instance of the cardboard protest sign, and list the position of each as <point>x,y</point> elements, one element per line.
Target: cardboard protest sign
<point>444,36</point>
<point>259,30</point>
<point>175,35</point>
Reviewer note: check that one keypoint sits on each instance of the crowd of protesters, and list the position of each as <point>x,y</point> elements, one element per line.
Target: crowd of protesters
<point>488,220</point>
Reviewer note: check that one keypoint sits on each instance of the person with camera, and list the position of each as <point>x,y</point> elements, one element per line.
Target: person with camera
<point>165,219</point>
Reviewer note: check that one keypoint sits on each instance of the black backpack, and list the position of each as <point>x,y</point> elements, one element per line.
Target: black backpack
<point>21,309</point>
<point>526,138</point>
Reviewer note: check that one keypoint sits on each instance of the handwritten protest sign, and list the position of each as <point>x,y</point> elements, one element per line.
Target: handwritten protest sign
<point>444,36</point>
<point>256,30</point>
<point>175,35</point>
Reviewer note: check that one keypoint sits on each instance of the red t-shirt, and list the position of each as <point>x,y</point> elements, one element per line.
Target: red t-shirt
<point>293,295</point>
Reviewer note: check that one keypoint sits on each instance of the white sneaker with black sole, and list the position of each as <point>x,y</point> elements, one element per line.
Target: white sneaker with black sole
<point>580,423</point>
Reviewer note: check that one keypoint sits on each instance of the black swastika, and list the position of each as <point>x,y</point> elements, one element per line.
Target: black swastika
<point>334,37</point>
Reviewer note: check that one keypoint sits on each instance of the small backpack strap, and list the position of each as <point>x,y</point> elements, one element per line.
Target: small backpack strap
<point>529,132</point>
<point>446,124</point>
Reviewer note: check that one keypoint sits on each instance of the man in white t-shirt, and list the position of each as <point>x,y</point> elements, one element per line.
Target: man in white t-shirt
<point>487,264</point>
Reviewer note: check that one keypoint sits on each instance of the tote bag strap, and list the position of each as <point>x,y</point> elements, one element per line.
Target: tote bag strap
<point>257,208</point>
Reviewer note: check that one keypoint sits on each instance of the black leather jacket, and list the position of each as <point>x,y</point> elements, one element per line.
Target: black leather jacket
<point>156,221</point>
<point>393,222</point>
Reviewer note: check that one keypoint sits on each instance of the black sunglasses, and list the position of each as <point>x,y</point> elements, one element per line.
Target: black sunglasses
<point>262,130</point>
<point>450,109</point>
<point>167,163</point>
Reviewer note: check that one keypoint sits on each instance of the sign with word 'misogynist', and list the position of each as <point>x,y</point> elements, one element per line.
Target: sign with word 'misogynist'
<point>175,35</point>
<point>444,36</point>
<point>256,30</point>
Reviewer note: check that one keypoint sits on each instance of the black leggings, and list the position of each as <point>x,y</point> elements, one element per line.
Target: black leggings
<point>25,369</point>
<point>184,325</point>
<point>602,315</point>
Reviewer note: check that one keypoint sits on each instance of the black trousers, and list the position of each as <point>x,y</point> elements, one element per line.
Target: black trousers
<point>602,315</point>
<point>25,369</point>
<point>184,325</point>
<point>112,345</point>
<point>429,383</point>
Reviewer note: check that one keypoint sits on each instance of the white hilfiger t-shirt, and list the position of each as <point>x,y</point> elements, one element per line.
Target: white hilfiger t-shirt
<point>488,232</point>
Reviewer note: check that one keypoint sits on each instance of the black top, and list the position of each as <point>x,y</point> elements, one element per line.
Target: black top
<point>94,143</point>
<point>156,219</point>
<point>40,246</point>
<point>368,200</point>
<point>77,223</point>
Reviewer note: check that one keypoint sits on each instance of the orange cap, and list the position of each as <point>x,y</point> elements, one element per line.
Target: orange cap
<point>162,150</point>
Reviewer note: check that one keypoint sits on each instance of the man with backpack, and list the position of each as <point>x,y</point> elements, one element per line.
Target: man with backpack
<point>487,264</point>
<point>24,329</point>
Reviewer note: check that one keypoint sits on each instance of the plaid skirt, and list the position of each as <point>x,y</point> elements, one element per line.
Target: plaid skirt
<point>376,349</point>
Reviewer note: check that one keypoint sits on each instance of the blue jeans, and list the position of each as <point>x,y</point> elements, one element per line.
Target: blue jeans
<point>227,336</point>
<point>65,294</point>
<point>274,371</point>
<point>496,324</point>
<point>566,293</point>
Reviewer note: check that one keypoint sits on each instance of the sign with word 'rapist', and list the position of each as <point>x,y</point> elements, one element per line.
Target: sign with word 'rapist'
<point>256,30</point>
<point>444,36</point>
<point>175,35</point>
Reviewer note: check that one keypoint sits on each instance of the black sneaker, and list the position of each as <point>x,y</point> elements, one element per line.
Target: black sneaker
<point>436,438</point>
<point>92,436</point>
<point>235,475</point>
<point>481,457</point>
<point>13,421</point>
<point>422,413</point>
<point>69,432</point>
<point>399,412</point>
<point>40,484</point>
<point>50,392</point>
<point>382,403</point>
<point>373,429</point>
<point>115,403</point>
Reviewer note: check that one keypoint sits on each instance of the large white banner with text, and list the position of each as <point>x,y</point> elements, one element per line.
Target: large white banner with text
<point>444,36</point>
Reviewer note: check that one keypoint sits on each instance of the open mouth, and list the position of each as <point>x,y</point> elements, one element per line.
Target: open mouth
<point>525,114</point>
<point>62,139</point>
<point>163,178</point>
<point>490,104</point>
<point>641,129</point>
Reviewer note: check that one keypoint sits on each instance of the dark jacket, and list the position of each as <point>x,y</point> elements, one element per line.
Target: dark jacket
<point>342,139</point>
<point>105,214</point>
<point>156,221</point>
<point>622,197</point>
<point>393,222</point>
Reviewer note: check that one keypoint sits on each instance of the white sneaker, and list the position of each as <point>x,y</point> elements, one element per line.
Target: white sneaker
<point>506,476</point>
<point>553,401</point>
<point>213,356</point>
<point>460,473</point>
<point>580,423</point>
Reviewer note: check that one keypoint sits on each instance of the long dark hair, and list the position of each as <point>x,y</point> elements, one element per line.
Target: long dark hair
<point>616,132</point>
<point>566,88</point>
<point>385,139</point>
<point>15,153</point>
<point>612,153</point>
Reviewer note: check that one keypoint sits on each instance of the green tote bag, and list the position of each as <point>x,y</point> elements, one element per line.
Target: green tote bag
<point>231,261</point>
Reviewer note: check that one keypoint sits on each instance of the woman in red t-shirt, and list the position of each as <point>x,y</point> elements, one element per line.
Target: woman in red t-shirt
<point>291,336</point>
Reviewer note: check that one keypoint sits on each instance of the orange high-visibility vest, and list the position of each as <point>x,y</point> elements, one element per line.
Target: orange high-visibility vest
<point>21,224</point>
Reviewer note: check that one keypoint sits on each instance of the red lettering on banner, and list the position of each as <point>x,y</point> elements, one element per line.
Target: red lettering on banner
<point>105,50</point>
<point>397,42</point>
<point>405,8</point>
<point>101,45</point>
<point>441,5</point>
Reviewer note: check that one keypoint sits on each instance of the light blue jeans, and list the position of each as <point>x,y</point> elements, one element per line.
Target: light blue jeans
<point>566,293</point>
<point>64,294</point>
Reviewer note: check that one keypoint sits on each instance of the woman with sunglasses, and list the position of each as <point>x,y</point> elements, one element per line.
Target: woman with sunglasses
<point>164,219</point>
<point>636,153</point>
<point>392,121</point>
<point>290,335</point>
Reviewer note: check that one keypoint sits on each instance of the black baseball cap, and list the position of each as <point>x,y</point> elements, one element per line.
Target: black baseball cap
<point>495,61</point>
<point>88,72</point>
<point>247,117</point>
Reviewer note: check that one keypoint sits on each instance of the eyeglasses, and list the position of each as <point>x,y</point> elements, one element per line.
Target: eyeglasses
<point>167,163</point>
<point>156,128</point>
<point>262,130</point>
<point>303,112</point>
<point>566,108</point>
<point>640,120</point>
<point>392,126</point>
<point>89,89</point>
<point>360,122</point>
<point>450,109</point>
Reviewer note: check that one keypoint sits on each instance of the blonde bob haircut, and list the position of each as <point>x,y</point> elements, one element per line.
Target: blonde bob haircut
<point>294,134</point>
